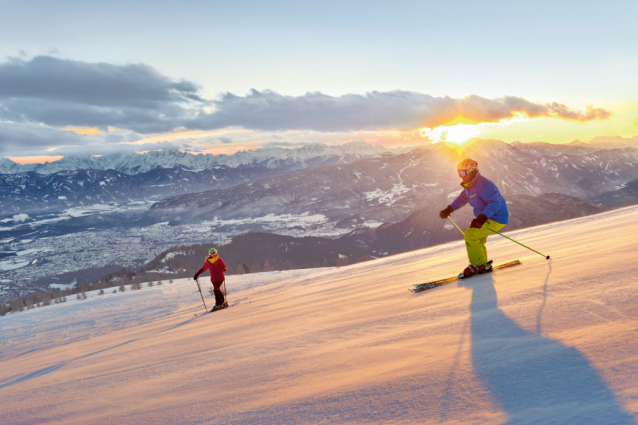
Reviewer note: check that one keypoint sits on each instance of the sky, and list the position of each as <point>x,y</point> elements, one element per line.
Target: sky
<point>206,76</point>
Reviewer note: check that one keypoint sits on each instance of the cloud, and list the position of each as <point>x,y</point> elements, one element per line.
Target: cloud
<point>22,140</point>
<point>279,144</point>
<point>97,84</point>
<point>591,113</point>
<point>45,91</point>
<point>401,110</point>
<point>16,137</point>
<point>63,92</point>
<point>225,139</point>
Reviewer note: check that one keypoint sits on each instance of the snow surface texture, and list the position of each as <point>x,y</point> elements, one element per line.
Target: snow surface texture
<point>544,342</point>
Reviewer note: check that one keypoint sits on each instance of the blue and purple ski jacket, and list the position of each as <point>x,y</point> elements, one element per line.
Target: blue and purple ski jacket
<point>484,197</point>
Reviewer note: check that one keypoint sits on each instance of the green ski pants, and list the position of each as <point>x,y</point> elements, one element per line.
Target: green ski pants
<point>475,241</point>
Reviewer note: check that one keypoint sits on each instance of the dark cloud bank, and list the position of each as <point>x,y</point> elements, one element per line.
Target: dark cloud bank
<point>61,92</point>
<point>49,91</point>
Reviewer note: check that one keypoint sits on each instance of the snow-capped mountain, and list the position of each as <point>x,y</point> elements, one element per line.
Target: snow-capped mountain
<point>9,167</point>
<point>608,142</point>
<point>311,155</point>
<point>540,149</point>
<point>385,187</point>
<point>390,187</point>
<point>582,176</point>
<point>33,191</point>
<point>85,180</point>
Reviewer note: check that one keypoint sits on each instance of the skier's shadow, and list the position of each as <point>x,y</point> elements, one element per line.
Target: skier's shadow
<point>534,379</point>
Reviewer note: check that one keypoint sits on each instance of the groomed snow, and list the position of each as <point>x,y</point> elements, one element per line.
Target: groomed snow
<point>544,342</point>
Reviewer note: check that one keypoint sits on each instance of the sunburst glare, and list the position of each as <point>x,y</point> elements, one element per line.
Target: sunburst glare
<point>458,134</point>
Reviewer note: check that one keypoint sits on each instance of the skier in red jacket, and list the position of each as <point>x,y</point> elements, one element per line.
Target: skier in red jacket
<point>216,266</point>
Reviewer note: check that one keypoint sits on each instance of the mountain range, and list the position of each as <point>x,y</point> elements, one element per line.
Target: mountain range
<point>77,181</point>
<point>608,142</point>
<point>311,155</point>
<point>389,187</point>
<point>308,156</point>
<point>27,192</point>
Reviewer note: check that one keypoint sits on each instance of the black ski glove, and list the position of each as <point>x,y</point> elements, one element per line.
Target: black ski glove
<point>446,212</point>
<point>479,221</point>
<point>196,276</point>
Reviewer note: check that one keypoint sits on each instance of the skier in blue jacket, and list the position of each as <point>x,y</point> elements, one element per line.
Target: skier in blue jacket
<point>490,210</point>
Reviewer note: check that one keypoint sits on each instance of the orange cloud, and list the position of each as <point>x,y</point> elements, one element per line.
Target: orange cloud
<point>476,109</point>
<point>92,131</point>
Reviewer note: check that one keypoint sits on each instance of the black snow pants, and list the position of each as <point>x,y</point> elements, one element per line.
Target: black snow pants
<point>219,297</point>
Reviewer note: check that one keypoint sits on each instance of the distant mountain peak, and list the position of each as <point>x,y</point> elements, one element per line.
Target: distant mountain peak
<point>609,142</point>
<point>135,163</point>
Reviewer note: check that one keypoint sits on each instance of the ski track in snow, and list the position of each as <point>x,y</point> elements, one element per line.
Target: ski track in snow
<point>544,342</point>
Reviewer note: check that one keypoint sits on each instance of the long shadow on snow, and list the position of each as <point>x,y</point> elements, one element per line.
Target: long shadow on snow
<point>49,369</point>
<point>534,379</point>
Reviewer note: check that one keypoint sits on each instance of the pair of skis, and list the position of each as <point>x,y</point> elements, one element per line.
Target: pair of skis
<point>420,287</point>
<point>212,310</point>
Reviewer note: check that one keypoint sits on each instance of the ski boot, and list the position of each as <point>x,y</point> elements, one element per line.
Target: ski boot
<point>218,307</point>
<point>487,267</point>
<point>472,270</point>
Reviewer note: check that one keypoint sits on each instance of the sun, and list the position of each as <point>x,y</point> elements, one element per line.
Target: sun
<point>458,134</point>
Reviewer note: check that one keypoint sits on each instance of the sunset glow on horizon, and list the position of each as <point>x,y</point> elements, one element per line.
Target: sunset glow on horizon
<point>35,159</point>
<point>141,87</point>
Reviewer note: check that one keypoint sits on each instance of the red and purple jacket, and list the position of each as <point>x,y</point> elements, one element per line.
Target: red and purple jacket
<point>216,269</point>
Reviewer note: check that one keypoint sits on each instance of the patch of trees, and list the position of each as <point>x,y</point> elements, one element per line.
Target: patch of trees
<point>33,300</point>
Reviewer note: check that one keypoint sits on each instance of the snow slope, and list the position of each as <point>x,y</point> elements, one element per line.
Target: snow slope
<point>544,342</point>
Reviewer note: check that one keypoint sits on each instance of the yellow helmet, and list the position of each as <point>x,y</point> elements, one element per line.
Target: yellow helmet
<point>466,166</point>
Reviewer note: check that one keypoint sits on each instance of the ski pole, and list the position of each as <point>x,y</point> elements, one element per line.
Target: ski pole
<point>455,225</point>
<point>546,256</point>
<point>225,293</point>
<point>200,293</point>
<point>543,255</point>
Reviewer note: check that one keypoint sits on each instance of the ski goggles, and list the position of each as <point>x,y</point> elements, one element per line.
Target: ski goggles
<point>463,173</point>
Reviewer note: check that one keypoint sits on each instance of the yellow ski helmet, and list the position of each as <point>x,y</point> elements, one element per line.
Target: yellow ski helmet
<point>466,166</point>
